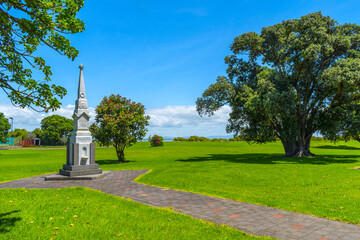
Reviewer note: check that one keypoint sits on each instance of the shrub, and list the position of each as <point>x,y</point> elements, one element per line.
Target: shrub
<point>180,139</point>
<point>219,140</point>
<point>198,139</point>
<point>157,141</point>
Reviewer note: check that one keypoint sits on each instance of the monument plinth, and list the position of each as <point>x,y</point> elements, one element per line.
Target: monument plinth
<point>80,157</point>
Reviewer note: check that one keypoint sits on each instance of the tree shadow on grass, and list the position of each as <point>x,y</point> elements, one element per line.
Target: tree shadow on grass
<point>111,161</point>
<point>259,158</point>
<point>336,147</point>
<point>6,222</point>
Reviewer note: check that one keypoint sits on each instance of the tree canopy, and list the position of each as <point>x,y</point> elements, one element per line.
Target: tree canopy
<point>37,132</point>
<point>56,130</point>
<point>27,25</point>
<point>120,122</point>
<point>4,128</point>
<point>293,79</point>
<point>20,133</point>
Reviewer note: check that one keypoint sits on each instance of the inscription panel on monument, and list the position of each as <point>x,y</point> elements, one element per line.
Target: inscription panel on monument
<point>83,139</point>
<point>83,105</point>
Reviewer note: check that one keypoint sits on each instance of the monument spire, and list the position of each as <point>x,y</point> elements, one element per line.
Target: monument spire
<point>80,159</point>
<point>81,87</point>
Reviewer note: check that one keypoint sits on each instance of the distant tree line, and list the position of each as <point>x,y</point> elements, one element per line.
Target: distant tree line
<point>55,130</point>
<point>204,139</point>
<point>239,138</point>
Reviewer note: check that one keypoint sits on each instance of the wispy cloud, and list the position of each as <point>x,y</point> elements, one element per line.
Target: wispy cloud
<point>29,119</point>
<point>178,116</point>
<point>199,12</point>
<point>170,121</point>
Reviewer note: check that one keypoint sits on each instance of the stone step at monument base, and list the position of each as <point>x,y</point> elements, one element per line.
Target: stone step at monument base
<point>80,172</point>
<point>59,177</point>
<point>80,167</point>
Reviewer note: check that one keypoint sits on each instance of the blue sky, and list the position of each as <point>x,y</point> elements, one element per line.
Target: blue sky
<point>164,54</point>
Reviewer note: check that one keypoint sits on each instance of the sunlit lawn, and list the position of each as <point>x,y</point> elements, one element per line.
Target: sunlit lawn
<point>325,186</point>
<point>79,213</point>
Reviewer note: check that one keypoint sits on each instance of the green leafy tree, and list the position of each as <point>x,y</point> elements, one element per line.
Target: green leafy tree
<point>295,78</point>
<point>37,132</point>
<point>26,25</point>
<point>119,122</point>
<point>54,128</point>
<point>346,127</point>
<point>20,133</point>
<point>4,128</point>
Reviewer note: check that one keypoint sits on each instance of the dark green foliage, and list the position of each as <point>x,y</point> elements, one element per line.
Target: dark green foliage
<point>119,122</point>
<point>300,76</point>
<point>20,133</point>
<point>55,130</point>
<point>192,139</point>
<point>198,139</point>
<point>4,128</point>
<point>157,141</point>
<point>37,132</point>
<point>346,127</point>
<point>179,139</point>
<point>26,25</point>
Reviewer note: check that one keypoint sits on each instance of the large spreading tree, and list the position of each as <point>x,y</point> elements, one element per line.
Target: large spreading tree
<point>119,122</point>
<point>293,79</point>
<point>56,130</point>
<point>27,25</point>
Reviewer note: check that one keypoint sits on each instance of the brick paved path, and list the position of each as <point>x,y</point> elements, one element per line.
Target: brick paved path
<point>250,218</point>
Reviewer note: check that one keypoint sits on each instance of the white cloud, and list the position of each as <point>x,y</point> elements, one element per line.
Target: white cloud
<point>175,116</point>
<point>172,121</point>
<point>29,119</point>
<point>177,121</point>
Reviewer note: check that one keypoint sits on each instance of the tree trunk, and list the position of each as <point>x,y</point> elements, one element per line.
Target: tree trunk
<point>120,154</point>
<point>295,149</point>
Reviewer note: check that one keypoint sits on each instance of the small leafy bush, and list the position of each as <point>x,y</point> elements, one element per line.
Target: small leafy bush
<point>180,139</point>
<point>198,139</point>
<point>157,141</point>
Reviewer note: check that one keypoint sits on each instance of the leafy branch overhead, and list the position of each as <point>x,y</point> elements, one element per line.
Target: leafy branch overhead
<point>293,79</point>
<point>27,25</point>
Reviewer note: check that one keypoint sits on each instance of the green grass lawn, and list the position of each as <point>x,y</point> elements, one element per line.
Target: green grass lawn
<point>79,213</point>
<point>324,186</point>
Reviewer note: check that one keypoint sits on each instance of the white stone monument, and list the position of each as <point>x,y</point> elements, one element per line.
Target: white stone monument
<point>80,157</point>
